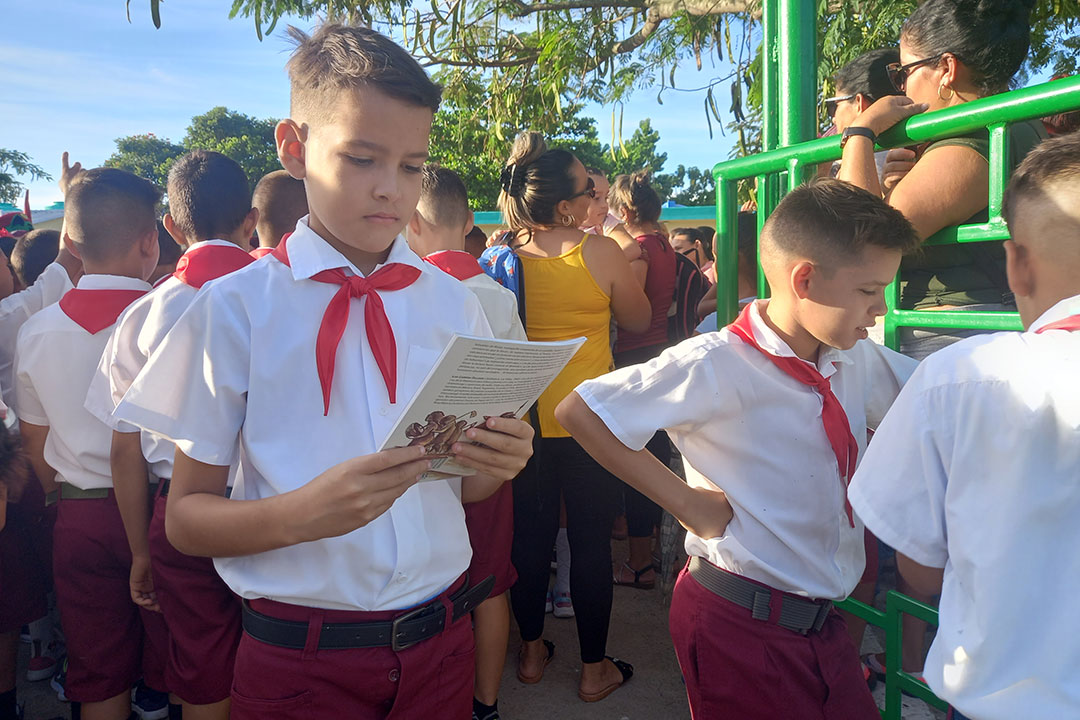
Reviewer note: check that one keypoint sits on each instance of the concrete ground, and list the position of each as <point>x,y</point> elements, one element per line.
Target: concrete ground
<point>639,635</point>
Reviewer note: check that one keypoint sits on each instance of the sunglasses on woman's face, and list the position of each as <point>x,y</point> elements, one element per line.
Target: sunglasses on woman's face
<point>590,190</point>
<point>898,74</point>
<point>831,104</point>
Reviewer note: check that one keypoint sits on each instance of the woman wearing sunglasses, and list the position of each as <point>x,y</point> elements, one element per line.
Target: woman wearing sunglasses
<point>951,52</point>
<point>574,283</point>
<point>858,84</point>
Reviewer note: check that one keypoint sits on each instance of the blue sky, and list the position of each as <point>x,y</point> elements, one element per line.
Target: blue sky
<point>77,75</point>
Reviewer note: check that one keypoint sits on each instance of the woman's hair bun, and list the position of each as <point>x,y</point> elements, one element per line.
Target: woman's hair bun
<point>528,146</point>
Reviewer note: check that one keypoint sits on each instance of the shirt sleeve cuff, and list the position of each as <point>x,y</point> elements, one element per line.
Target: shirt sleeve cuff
<point>608,418</point>
<point>900,541</point>
<point>201,450</point>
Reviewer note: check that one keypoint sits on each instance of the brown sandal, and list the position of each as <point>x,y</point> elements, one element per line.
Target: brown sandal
<point>637,582</point>
<point>533,679</point>
<point>625,669</point>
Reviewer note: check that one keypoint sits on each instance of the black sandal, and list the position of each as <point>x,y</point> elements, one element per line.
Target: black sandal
<point>637,581</point>
<point>625,669</point>
<point>533,679</point>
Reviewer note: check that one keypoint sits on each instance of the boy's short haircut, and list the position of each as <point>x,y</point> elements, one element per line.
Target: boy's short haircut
<point>444,201</point>
<point>281,201</point>
<point>341,57</point>
<point>209,195</point>
<point>830,222</point>
<point>1053,162</point>
<point>33,252</point>
<point>169,251</point>
<point>108,210</point>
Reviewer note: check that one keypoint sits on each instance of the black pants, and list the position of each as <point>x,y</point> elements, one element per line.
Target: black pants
<point>562,467</point>
<point>642,514</point>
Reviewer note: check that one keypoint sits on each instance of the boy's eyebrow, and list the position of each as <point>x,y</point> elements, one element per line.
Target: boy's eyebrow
<point>375,146</point>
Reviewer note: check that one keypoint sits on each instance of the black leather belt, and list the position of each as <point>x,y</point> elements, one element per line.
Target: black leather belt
<point>796,614</point>
<point>408,629</point>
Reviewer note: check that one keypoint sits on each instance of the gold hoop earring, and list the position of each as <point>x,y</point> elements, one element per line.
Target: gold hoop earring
<point>567,220</point>
<point>951,93</point>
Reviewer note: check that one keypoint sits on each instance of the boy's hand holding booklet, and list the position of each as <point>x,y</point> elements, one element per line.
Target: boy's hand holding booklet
<point>474,379</point>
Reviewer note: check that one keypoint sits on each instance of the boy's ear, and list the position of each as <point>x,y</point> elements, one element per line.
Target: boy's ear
<point>250,221</point>
<point>290,138</point>
<point>174,230</point>
<point>1018,269</point>
<point>415,224</point>
<point>470,223</point>
<point>71,245</point>
<point>801,277</point>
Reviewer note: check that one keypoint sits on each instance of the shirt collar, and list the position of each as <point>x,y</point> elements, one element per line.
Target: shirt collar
<point>111,282</point>
<point>214,241</point>
<point>769,341</point>
<point>1059,311</point>
<point>309,253</point>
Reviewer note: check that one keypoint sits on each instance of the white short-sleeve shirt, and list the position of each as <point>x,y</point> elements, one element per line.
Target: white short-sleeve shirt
<point>976,469</point>
<point>55,361</point>
<point>138,332</point>
<point>16,309</point>
<point>500,307</point>
<point>237,376</point>
<point>746,427</point>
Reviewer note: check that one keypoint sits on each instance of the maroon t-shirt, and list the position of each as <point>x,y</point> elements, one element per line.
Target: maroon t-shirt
<point>660,289</point>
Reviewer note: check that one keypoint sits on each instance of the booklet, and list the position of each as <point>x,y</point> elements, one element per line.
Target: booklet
<point>474,379</point>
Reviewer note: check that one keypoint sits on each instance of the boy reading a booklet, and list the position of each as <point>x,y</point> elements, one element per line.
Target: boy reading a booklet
<point>353,574</point>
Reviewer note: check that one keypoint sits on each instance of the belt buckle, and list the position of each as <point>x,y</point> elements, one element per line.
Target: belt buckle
<point>415,612</point>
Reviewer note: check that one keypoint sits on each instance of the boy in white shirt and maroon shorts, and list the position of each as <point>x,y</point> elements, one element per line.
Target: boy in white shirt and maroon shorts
<point>770,415</point>
<point>356,599</point>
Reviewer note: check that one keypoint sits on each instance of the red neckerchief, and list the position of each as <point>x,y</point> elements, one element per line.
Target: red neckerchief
<point>458,263</point>
<point>834,418</point>
<point>380,335</point>
<point>209,262</point>
<point>260,252</point>
<point>1070,323</point>
<point>95,309</point>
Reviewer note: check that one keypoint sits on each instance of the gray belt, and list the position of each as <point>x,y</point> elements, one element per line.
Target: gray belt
<point>796,614</point>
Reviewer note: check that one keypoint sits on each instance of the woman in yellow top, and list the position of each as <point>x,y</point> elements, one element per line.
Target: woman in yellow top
<point>574,283</point>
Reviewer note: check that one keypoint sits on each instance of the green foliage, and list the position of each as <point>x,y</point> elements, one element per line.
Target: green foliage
<point>247,140</point>
<point>13,164</point>
<point>145,155</point>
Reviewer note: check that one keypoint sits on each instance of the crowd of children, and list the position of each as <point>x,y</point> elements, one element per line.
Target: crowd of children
<point>190,457</point>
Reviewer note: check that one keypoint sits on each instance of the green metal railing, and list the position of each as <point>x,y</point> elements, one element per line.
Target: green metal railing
<point>789,165</point>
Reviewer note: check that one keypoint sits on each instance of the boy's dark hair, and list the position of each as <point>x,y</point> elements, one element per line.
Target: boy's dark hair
<point>831,221</point>
<point>636,193</point>
<point>444,201</point>
<point>991,37</point>
<point>533,182</point>
<point>33,252</point>
<point>169,251</point>
<point>341,57</point>
<point>1052,162</point>
<point>107,210</point>
<point>281,201</point>
<point>867,75</point>
<point>208,195</point>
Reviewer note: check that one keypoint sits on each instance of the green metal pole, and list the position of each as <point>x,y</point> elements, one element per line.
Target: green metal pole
<point>727,251</point>
<point>798,72</point>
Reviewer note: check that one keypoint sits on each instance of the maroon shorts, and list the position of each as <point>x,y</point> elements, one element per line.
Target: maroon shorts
<point>738,667</point>
<point>433,679</point>
<point>491,532</point>
<point>23,578</point>
<point>111,642</point>
<point>203,617</point>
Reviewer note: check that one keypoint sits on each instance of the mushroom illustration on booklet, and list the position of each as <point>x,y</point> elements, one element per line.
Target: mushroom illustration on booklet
<point>475,379</point>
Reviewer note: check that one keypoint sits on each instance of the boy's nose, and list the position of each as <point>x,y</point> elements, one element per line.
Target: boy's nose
<point>387,186</point>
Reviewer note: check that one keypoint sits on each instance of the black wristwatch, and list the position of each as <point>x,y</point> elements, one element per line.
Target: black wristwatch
<point>865,132</point>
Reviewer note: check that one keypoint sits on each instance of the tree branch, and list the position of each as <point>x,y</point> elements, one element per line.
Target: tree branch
<point>522,9</point>
<point>652,21</point>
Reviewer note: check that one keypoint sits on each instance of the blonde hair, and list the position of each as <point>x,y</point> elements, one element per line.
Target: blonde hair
<point>534,181</point>
<point>635,192</point>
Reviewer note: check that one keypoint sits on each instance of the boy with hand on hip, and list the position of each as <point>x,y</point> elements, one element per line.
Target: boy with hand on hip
<point>353,575</point>
<point>770,415</point>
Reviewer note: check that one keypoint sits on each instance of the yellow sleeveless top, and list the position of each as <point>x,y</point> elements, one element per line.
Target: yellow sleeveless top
<point>563,301</point>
